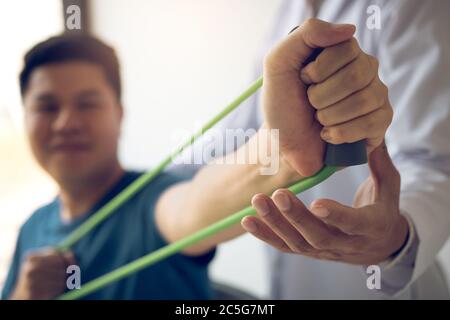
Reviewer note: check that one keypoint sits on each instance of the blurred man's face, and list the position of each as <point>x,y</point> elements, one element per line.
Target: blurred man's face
<point>72,117</point>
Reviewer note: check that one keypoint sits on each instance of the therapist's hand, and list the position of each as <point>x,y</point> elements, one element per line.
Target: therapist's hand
<point>351,102</point>
<point>367,233</point>
<point>42,275</point>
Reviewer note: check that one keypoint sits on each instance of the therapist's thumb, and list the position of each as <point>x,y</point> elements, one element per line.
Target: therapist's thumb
<point>385,175</point>
<point>293,50</point>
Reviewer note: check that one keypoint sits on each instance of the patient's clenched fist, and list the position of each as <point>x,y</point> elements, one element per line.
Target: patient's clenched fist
<point>337,98</point>
<point>43,275</point>
<point>351,101</point>
<point>284,99</point>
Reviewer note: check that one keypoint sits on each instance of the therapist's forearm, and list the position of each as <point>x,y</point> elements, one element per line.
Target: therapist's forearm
<point>217,191</point>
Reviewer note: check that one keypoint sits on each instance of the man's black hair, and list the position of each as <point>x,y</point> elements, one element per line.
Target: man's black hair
<point>67,47</point>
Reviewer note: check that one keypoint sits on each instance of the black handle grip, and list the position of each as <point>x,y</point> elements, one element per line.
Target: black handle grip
<point>346,154</point>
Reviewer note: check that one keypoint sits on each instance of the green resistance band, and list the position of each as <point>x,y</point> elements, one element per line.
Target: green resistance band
<point>110,207</point>
<point>333,159</point>
<point>177,246</point>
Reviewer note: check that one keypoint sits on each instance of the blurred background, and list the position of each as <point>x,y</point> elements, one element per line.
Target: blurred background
<point>182,61</point>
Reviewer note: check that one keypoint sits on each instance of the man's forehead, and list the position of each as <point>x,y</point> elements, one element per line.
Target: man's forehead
<point>63,78</point>
<point>63,68</point>
<point>52,95</point>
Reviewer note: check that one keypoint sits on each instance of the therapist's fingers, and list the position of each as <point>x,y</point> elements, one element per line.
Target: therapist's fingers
<point>261,231</point>
<point>329,61</point>
<point>313,230</point>
<point>352,221</point>
<point>272,217</point>
<point>385,176</point>
<point>358,104</point>
<point>378,200</point>
<point>352,78</point>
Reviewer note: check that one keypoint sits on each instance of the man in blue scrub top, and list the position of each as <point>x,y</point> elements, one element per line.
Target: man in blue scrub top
<point>71,92</point>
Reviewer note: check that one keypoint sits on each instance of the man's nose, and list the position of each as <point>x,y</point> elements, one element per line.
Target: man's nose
<point>68,120</point>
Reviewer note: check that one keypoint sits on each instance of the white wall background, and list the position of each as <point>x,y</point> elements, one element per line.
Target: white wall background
<point>182,61</point>
<point>23,186</point>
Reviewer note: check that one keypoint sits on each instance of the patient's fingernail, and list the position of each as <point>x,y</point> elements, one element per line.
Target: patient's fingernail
<point>282,201</point>
<point>342,27</point>
<point>261,206</point>
<point>321,212</point>
<point>305,77</point>
<point>325,134</point>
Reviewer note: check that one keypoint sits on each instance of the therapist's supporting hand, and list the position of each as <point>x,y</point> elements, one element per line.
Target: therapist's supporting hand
<point>342,84</point>
<point>43,275</point>
<point>367,233</point>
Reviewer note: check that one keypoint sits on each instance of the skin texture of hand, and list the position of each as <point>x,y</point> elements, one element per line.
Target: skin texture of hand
<point>367,233</point>
<point>287,91</point>
<point>342,84</point>
<point>43,275</point>
<point>351,101</point>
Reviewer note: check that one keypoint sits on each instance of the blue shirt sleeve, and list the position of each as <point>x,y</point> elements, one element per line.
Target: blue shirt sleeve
<point>164,181</point>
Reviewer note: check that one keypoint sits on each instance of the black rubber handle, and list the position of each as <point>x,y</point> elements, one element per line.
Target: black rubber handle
<point>346,154</point>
